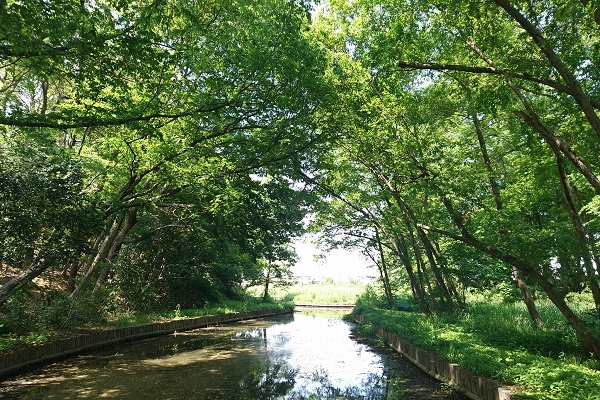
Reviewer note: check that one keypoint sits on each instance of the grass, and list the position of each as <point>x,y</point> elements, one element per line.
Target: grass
<point>328,293</point>
<point>12,341</point>
<point>498,340</point>
<point>40,334</point>
<point>223,307</point>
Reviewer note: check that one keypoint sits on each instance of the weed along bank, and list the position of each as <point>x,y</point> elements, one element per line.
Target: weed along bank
<point>475,387</point>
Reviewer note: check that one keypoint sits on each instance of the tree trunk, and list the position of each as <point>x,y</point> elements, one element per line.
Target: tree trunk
<point>595,255</point>
<point>448,278</point>
<point>115,248</point>
<point>580,232</point>
<point>523,288</point>
<point>101,254</point>
<point>460,300</point>
<point>528,299</point>
<point>411,221</point>
<point>384,274</point>
<point>36,267</point>
<point>33,271</point>
<point>267,281</point>
<point>424,278</point>
<point>434,268</point>
<point>71,275</point>
<point>589,342</point>
<point>402,252</point>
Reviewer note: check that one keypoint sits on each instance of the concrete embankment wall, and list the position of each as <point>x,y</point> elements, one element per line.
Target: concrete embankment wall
<point>16,360</point>
<point>475,387</point>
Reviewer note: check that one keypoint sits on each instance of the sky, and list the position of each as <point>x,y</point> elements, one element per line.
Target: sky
<point>339,264</point>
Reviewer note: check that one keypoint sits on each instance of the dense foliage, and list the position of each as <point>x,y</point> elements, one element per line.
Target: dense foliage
<point>157,153</point>
<point>467,152</point>
<point>145,148</point>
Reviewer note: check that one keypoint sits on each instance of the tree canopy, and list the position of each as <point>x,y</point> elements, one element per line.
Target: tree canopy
<point>163,117</point>
<point>168,151</point>
<point>467,137</point>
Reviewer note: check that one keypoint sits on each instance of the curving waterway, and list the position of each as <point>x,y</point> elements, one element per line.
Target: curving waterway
<point>308,355</point>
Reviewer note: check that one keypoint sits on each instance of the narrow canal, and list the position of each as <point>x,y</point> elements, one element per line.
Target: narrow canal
<point>308,355</point>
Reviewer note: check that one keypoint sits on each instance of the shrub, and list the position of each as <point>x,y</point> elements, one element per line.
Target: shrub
<point>498,340</point>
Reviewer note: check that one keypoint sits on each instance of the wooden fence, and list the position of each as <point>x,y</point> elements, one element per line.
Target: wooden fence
<point>16,360</point>
<point>475,387</point>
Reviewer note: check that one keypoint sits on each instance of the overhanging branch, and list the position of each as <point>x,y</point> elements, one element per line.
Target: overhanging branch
<point>493,71</point>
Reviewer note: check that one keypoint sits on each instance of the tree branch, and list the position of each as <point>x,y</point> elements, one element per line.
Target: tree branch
<point>568,76</point>
<point>58,122</point>
<point>493,71</point>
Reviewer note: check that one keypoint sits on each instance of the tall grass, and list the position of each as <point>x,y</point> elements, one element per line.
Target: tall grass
<point>317,293</point>
<point>498,340</point>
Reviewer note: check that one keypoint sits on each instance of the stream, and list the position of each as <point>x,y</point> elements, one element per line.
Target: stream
<point>307,355</point>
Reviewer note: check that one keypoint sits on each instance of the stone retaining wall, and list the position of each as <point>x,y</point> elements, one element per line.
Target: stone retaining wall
<point>475,387</point>
<point>28,356</point>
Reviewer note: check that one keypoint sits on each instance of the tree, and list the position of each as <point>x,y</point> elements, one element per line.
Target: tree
<point>157,96</point>
<point>44,217</point>
<point>276,213</point>
<point>437,78</point>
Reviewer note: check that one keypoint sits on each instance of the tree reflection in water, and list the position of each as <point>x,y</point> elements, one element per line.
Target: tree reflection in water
<point>300,357</point>
<point>279,381</point>
<point>273,381</point>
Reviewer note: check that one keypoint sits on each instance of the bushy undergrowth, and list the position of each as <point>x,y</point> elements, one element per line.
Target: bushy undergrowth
<point>29,320</point>
<point>498,340</point>
<point>25,321</point>
<point>26,312</point>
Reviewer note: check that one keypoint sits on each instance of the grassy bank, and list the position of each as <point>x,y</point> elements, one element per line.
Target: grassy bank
<point>40,334</point>
<point>497,340</point>
<point>223,307</point>
<point>329,293</point>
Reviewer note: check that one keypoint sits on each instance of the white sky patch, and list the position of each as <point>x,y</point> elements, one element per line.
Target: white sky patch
<point>339,264</point>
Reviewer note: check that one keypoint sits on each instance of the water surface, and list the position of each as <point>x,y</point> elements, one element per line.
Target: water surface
<point>309,355</point>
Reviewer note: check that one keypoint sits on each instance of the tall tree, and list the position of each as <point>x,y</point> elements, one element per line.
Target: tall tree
<point>154,96</point>
<point>44,219</point>
<point>531,91</point>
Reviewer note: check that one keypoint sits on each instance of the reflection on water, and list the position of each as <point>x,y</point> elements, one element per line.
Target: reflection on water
<point>304,356</point>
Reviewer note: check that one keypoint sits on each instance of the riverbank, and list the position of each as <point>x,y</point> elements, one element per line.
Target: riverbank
<point>535,364</point>
<point>24,357</point>
<point>474,387</point>
<point>38,334</point>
